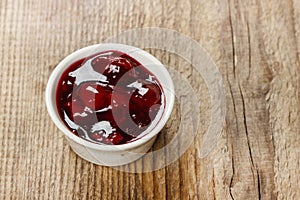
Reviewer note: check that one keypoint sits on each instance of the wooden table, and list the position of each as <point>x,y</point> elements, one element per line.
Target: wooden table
<point>255,45</point>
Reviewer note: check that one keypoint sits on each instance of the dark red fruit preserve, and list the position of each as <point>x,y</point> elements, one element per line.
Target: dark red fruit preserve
<point>109,98</point>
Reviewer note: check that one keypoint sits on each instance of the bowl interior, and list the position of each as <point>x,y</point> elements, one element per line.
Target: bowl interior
<point>146,59</point>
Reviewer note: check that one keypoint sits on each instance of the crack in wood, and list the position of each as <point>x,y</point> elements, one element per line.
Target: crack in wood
<point>245,124</point>
<point>248,143</point>
<point>232,39</point>
<point>232,156</point>
<point>231,180</point>
<point>258,184</point>
<point>232,97</point>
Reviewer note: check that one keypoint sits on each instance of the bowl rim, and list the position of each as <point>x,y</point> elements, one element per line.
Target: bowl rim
<point>168,89</point>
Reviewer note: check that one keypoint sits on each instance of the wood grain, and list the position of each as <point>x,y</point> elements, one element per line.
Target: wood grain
<point>255,45</point>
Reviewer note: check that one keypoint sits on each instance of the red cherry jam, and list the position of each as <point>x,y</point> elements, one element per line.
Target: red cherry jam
<point>109,98</point>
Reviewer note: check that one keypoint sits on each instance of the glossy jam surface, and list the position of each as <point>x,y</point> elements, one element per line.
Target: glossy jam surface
<point>109,98</point>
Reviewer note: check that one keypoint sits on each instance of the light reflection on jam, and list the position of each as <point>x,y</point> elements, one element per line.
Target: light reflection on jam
<point>109,98</point>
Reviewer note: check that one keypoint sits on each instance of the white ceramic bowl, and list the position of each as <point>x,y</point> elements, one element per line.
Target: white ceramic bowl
<point>112,155</point>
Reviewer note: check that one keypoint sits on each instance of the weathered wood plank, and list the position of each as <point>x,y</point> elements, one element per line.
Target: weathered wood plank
<point>255,45</point>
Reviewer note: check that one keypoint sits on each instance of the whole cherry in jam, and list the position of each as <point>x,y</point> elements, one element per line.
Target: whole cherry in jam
<point>108,98</point>
<point>94,95</point>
